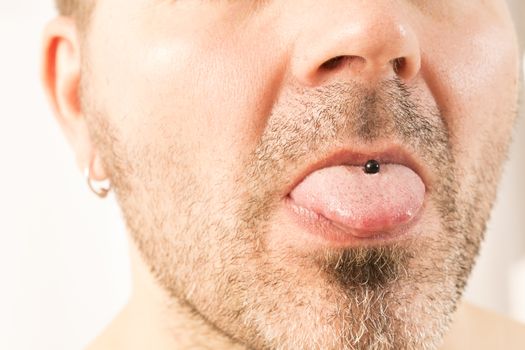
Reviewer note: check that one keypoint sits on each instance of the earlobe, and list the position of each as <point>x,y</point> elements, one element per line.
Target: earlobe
<point>61,76</point>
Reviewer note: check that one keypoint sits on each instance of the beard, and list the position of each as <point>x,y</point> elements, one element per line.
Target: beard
<point>205,239</point>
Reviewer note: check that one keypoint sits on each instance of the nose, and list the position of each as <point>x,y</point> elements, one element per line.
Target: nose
<point>363,41</point>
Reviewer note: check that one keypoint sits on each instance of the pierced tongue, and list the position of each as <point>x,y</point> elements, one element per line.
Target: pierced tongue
<point>350,198</point>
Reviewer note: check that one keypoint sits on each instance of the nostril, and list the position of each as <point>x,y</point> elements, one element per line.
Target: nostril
<point>398,65</point>
<point>356,62</point>
<point>333,63</point>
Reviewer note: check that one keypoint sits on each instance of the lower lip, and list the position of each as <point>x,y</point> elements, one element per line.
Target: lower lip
<point>327,232</point>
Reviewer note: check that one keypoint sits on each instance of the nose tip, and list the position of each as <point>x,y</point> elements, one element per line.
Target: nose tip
<point>367,48</point>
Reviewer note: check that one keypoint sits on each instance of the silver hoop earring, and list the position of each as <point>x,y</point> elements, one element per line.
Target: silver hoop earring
<point>100,188</point>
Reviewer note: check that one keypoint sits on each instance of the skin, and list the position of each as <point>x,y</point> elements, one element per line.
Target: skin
<point>204,114</point>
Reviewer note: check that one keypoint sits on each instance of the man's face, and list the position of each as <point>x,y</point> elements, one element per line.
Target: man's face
<point>234,131</point>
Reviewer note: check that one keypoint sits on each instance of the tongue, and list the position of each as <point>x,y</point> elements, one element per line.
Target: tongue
<point>362,202</point>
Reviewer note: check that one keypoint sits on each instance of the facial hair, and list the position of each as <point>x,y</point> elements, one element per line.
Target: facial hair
<point>208,248</point>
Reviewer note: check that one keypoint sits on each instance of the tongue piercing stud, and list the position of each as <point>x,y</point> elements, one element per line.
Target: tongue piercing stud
<point>372,167</point>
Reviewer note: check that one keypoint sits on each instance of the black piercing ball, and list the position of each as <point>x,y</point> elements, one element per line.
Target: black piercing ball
<point>372,167</point>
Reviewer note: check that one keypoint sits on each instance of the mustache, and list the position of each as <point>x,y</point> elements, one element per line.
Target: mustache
<point>306,123</point>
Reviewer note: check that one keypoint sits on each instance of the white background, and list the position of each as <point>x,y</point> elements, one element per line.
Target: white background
<point>63,263</point>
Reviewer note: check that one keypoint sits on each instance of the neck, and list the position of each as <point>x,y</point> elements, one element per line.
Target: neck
<point>153,319</point>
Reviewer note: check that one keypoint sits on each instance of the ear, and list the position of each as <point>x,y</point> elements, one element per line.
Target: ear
<point>61,72</point>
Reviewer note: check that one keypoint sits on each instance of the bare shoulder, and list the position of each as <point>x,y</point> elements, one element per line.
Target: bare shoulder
<point>477,328</point>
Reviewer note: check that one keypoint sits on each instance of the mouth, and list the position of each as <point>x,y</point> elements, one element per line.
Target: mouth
<point>341,199</point>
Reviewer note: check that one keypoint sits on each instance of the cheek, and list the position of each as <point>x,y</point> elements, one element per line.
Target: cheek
<point>474,80</point>
<point>205,97</point>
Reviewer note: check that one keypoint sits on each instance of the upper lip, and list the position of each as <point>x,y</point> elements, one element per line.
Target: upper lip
<point>384,154</point>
